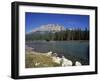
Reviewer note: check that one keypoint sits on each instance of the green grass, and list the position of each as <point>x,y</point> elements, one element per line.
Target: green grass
<point>31,58</point>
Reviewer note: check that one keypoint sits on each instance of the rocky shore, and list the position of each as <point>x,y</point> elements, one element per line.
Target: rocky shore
<point>49,59</point>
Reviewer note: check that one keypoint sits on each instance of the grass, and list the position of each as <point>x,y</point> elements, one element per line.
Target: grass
<point>34,59</point>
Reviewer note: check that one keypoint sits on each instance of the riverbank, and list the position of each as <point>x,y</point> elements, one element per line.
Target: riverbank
<point>35,59</point>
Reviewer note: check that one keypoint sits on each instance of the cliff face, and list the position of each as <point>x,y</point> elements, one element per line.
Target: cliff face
<point>50,28</point>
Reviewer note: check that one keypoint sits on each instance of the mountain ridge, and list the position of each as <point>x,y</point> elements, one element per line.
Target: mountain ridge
<point>48,28</point>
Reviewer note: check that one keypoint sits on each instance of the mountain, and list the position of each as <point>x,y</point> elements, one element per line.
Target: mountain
<point>48,28</point>
<point>57,32</point>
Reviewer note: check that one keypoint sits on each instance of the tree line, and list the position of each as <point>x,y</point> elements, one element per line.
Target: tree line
<point>76,34</point>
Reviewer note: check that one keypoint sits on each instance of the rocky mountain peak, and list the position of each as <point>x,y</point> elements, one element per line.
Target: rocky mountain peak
<point>50,28</point>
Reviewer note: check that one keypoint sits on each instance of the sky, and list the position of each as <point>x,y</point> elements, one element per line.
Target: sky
<point>34,20</point>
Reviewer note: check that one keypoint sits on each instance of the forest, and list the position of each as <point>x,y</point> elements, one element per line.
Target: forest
<point>76,34</point>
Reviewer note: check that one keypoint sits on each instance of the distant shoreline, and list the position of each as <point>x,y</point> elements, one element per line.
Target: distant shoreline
<point>57,41</point>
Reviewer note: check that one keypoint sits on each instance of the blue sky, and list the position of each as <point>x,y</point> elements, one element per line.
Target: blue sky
<point>34,20</point>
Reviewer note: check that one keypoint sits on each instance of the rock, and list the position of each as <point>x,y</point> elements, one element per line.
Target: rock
<point>56,59</point>
<point>66,62</point>
<point>77,63</point>
<point>49,53</point>
<point>36,64</point>
<point>55,54</point>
